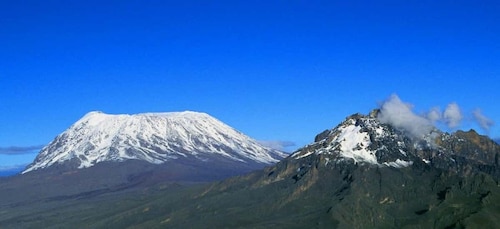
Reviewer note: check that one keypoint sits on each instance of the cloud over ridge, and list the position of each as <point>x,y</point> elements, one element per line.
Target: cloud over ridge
<point>277,145</point>
<point>484,122</point>
<point>452,115</point>
<point>400,114</point>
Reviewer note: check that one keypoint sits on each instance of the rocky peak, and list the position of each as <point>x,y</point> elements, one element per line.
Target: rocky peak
<point>361,139</point>
<point>364,139</point>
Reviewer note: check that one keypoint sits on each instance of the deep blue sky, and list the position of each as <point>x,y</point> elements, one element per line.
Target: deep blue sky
<point>275,70</point>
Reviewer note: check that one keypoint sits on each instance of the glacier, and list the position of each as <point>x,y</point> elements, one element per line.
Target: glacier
<point>151,137</point>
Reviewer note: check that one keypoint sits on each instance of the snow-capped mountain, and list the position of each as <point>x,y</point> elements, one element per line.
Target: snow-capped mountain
<point>151,137</point>
<point>364,139</point>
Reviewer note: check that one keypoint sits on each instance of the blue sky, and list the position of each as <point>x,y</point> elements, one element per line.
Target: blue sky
<point>275,70</point>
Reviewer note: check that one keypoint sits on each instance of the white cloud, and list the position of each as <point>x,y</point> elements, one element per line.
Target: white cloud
<point>452,115</point>
<point>12,167</point>
<point>13,150</point>
<point>483,121</point>
<point>434,114</point>
<point>278,145</point>
<point>400,115</point>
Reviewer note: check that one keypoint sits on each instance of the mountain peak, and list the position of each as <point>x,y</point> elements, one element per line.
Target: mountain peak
<point>176,114</point>
<point>361,139</point>
<point>152,137</point>
<point>187,113</point>
<point>365,139</point>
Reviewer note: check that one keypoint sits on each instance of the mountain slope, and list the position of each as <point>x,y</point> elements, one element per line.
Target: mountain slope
<point>151,137</point>
<point>361,174</point>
